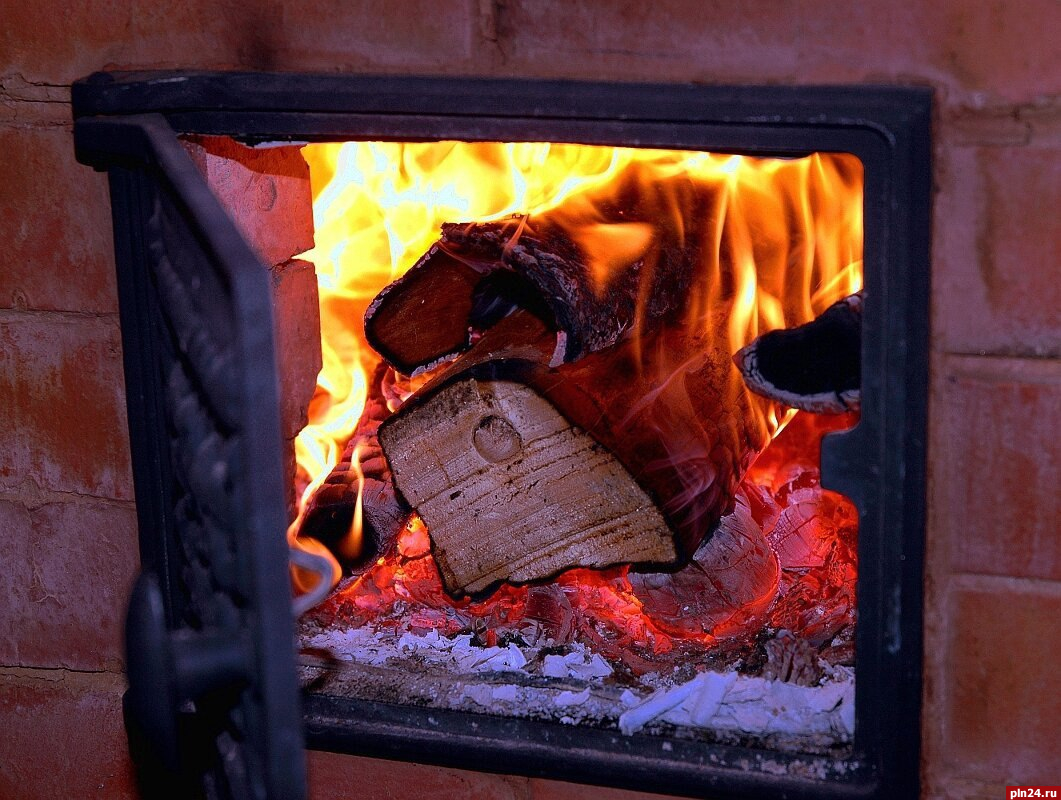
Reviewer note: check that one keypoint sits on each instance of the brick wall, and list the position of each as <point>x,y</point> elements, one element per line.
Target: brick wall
<point>67,524</point>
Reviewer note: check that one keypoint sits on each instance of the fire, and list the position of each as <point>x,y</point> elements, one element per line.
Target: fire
<point>785,241</point>
<point>801,536</point>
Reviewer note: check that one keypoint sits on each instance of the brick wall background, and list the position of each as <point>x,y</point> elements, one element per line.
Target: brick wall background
<point>67,522</point>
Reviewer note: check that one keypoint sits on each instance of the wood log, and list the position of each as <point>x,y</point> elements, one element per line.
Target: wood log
<point>633,266</point>
<point>620,341</point>
<point>536,494</point>
<point>519,470</point>
<point>814,367</point>
<point>423,317</point>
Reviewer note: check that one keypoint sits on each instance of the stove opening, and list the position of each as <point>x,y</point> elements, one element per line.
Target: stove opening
<point>564,450</point>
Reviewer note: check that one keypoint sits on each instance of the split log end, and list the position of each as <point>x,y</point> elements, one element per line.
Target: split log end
<point>511,491</point>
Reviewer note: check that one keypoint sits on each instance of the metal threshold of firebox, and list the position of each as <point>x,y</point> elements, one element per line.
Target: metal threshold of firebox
<point>192,308</point>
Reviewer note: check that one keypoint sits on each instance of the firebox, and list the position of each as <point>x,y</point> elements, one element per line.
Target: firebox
<point>557,512</point>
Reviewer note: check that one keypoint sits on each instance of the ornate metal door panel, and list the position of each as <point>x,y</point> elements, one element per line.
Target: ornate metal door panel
<point>210,635</point>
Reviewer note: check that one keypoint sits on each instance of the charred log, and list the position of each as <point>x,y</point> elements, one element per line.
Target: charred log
<point>814,367</point>
<point>792,660</point>
<point>636,273</point>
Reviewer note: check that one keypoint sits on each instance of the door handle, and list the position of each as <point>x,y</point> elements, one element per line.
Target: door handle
<point>167,669</point>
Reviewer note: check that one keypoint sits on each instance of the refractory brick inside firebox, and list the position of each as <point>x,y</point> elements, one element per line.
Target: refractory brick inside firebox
<point>266,191</point>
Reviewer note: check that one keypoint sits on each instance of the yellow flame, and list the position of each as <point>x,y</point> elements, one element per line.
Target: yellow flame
<point>782,238</point>
<point>610,247</point>
<point>355,536</point>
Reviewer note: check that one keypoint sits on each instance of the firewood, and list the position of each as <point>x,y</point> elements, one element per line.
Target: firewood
<point>592,413</point>
<point>629,455</point>
<point>536,494</point>
<point>422,317</point>
<point>638,272</point>
<point>813,367</point>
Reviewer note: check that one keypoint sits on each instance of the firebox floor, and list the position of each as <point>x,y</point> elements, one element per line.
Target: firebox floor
<point>573,686</point>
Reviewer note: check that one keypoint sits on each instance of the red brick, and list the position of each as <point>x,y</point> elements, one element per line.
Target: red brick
<point>55,225</point>
<point>338,777</point>
<point>265,190</point>
<point>959,303</point>
<point>984,54</point>
<point>995,288</point>
<point>974,127</point>
<point>296,316</point>
<point>946,786</point>
<point>298,341</point>
<point>996,465</point>
<point>1003,708</point>
<point>410,36</point>
<point>324,35</point>
<point>61,735</point>
<point>23,103</point>
<point>64,591</point>
<point>559,790</point>
<point>679,40</point>
<point>63,425</point>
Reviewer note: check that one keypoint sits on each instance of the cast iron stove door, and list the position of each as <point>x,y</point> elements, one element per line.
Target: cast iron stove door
<point>213,706</point>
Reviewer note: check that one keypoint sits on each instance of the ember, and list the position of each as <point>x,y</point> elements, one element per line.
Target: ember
<point>784,560</point>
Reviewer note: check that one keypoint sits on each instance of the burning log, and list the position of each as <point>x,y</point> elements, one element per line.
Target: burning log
<point>814,367</point>
<point>634,266</point>
<point>727,588</point>
<point>592,415</point>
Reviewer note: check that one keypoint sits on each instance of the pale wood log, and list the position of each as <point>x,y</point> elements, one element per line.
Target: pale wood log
<point>512,491</point>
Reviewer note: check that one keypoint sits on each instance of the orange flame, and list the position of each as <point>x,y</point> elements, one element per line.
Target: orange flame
<point>784,236</point>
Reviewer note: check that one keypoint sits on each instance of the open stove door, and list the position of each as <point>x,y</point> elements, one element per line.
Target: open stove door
<point>213,705</point>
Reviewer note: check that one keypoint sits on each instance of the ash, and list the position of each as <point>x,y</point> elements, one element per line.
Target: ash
<point>571,684</point>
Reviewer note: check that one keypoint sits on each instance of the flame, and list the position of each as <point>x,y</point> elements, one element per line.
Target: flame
<point>609,247</point>
<point>781,240</point>
<point>351,544</point>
